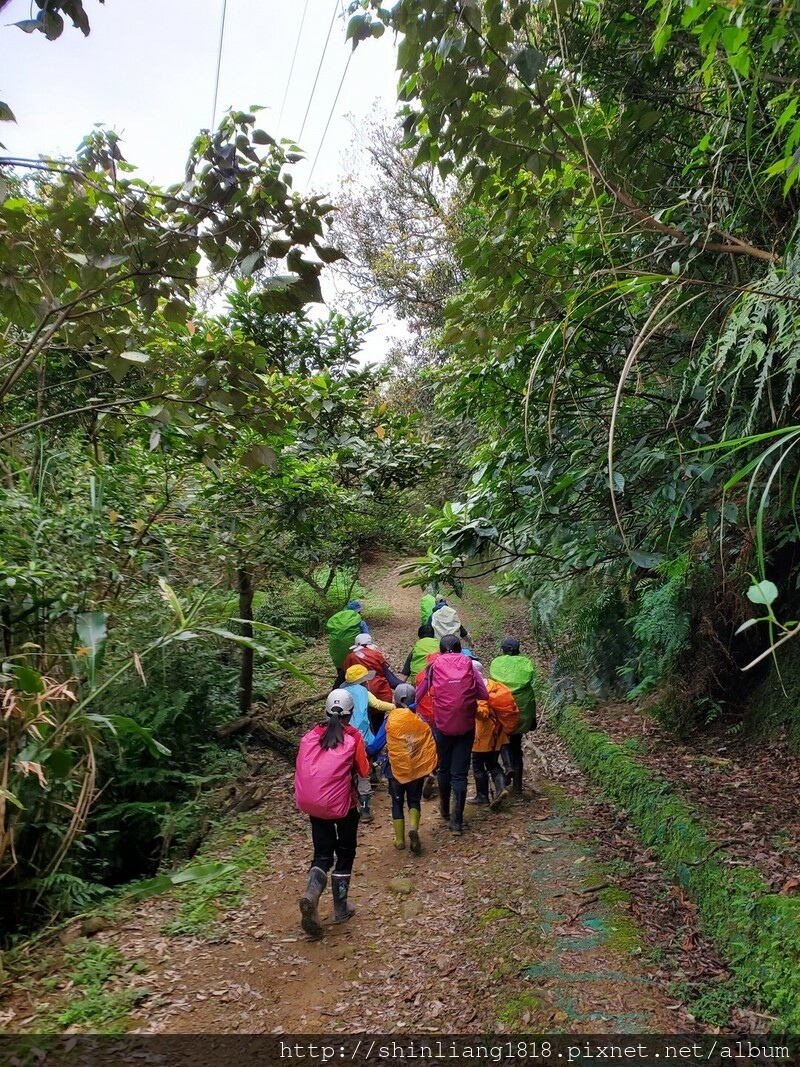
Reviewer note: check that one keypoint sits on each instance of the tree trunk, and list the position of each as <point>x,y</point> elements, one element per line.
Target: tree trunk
<point>244,579</point>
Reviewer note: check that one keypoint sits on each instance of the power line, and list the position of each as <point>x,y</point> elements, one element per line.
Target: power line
<point>219,62</point>
<point>319,67</point>
<point>291,68</point>
<point>330,116</point>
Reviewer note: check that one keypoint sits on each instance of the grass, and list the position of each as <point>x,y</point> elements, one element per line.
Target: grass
<point>488,623</point>
<point>203,905</point>
<point>97,983</point>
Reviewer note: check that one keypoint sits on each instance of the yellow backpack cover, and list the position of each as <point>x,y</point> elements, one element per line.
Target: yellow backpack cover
<point>410,744</point>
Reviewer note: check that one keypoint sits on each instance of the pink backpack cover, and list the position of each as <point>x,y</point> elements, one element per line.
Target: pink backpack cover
<point>323,778</point>
<point>455,693</point>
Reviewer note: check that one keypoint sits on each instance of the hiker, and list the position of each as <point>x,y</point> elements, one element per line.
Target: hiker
<point>343,628</point>
<point>445,620</point>
<point>425,645</point>
<point>493,718</point>
<point>330,757</point>
<point>516,672</point>
<point>412,756</point>
<point>366,652</point>
<point>424,709</point>
<point>357,605</point>
<point>356,679</point>
<point>457,688</point>
<point>426,605</point>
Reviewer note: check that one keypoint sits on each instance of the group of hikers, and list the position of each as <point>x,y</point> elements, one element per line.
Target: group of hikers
<point>421,729</point>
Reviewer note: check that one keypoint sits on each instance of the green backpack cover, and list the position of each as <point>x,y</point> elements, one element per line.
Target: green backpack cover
<point>420,652</point>
<point>343,628</point>
<point>426,606</point>
<point>518,672</point>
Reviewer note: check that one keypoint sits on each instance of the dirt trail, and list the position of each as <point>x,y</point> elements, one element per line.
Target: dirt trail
<point>503,930</point>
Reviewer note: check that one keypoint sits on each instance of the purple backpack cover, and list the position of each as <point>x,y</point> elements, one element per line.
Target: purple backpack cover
<point>455,693</point>
<point>323,778</point>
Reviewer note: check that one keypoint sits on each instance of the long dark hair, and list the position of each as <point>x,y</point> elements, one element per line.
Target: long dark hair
<point>334,733</point>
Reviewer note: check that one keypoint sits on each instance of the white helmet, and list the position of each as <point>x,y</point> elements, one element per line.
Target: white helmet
<point>339,703</point>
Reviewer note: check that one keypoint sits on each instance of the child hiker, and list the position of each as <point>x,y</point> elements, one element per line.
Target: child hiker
<point>330,759</point>
<point>356,679</point>
<point>494,720</point>
<point>411,757</point>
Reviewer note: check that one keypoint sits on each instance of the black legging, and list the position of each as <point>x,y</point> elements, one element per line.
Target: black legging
<point>337,837</point>
<point>410,793</point>
<point>455,753</point>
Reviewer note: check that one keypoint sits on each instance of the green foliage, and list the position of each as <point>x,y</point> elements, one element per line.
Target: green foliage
<point>201,904</point>
<point>583,628</point>
<point>57,744</point>
<point>661,625</point>
<point>98,1005</point>
<point>622,345</point>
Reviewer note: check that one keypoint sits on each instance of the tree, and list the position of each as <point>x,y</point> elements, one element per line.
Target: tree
<point>149,450</point>
<point>625,337</point>
<point>397,230</point>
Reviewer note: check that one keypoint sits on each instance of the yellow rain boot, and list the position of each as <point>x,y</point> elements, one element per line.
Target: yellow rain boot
<point>399,833</point>
<point>413,834</point>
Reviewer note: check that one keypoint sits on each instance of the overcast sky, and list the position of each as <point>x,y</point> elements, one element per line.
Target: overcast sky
<point>149,70</point>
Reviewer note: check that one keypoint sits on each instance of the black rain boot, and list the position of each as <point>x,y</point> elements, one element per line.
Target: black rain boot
<point>457,818</point>
<point>364,809</point>
<point>481,788</point>
<point>500,791</point>
<point>342,911</point>
<point>516,780</point>
<point>317,880</point>
<point>444,799</point>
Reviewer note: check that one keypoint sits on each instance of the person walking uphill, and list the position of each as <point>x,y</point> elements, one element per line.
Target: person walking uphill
<point>517,673</point>
<point>330,759</point>
<point>411,758</point>
<point>495,716</point>
<point>356,679</point>
<point>457,687</point>
<point>426,644</point>
<point>343,628</point>
<point>366,653</point>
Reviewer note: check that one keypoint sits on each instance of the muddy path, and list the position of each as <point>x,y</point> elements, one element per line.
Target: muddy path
<point>514,927</point>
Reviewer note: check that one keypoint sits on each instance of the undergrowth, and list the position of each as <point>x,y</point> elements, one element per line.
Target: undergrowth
<point>203,905</point>
<point>101,995</point>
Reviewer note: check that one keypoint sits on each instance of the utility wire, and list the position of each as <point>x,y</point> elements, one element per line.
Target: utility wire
<point>330,116</point>
<point>319,67</point>
<point>291,68</point>
<point>219,62</point>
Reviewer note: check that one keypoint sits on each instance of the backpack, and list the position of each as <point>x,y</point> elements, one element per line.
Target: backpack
<point>451,676</point>
<point>410,745</point>
<point>323,778</point>
<point>517,674</point>
<point>359,720</point>
<point>426,606</point>
<point>503,706</point>
<point>445,621</point>
<point>420,652</point>
<point>343,628</point>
